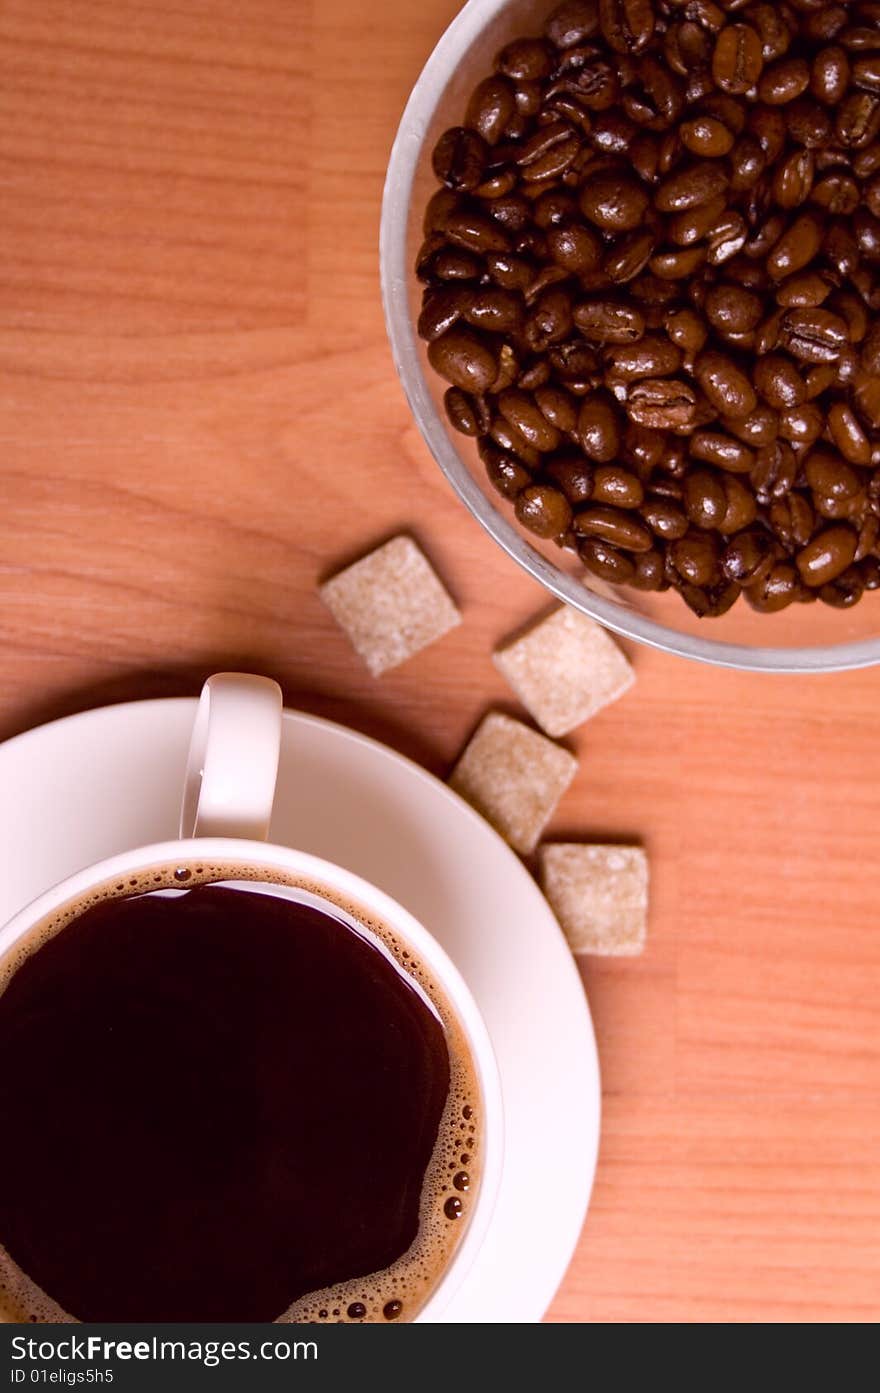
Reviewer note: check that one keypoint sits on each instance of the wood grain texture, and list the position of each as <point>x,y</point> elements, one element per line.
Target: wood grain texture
<point>200,419</point>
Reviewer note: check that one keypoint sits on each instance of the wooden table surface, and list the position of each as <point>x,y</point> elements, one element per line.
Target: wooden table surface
<point>200,419</point>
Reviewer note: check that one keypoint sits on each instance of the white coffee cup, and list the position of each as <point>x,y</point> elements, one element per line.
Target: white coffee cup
<point>229,789</point>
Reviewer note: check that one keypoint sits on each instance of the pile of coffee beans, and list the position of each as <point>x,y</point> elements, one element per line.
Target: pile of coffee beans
<point>651,279</point>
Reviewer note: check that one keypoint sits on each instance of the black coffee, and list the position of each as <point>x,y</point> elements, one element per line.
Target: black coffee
<point>225,1105</point>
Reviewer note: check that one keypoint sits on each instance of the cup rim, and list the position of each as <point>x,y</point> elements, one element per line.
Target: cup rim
<point>395,273</point>
<point>371,900</point>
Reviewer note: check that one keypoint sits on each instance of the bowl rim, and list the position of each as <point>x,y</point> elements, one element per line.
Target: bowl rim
<point>395,272</point>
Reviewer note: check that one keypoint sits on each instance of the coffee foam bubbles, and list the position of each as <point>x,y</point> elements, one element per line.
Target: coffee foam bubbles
<point>452,1180</point>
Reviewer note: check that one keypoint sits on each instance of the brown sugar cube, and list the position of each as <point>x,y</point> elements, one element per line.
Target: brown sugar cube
<point>514,777</point>
<point>564,669</point>
<point>599,894</point>
<point>390,603</point>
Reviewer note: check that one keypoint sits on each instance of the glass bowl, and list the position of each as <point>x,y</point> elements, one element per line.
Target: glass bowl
<point>802,638</point>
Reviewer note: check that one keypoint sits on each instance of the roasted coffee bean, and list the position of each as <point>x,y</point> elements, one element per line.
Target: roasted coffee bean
<point>509,271</point>
<point>696,184</point>
<point>508,439</point>
<point>866,73</point>
<point>796,247</point>
<point>732,310</point>
<point>613,201</point>
<point>507,474</point>
<point>572,22</point>
<point>686,329</point>
<point>497,185</point>
<point>605,561</point>
<point>543,510</point>
<point>475,231</point>
<point>827,555</point>
<point>845,591</point>
<point>662,404</point>
<point>725,384</point>
<point>622,529</point>
<point>598,429</point>
<point>696,558</point>
<point>808,123</point>
<point>450,264</point>
<point>778,381</point>
<point>775,34</point>
<point>440,310</point>
<point>760,427</point>
<point>801,425</point>
<point>858,119</point>
<point>549,320</point>
<point>840,249</point>
<point>747,165</point>
<point>573,476</point>
<point>715,448</point>
<point>867,233</point>
<point>492,308</point>
<point>737,61</point>
<point>713,600</point>
<point>642,449</point>
<point>553,163</point>
<point>830,477</point>
<point>652,280</point>
<point>748,557</point>
<point>848,435</point>
<point>742,508</point>
<point>649,571</point>
<point>767,125</point>
<point>783,81</point>
<point>837,193</point>
<point>459,159</point>
<point>616,487</point>
<point>490,108</point>
<point>775,471</point>
<point>608,321</point>
<point>523,413</point>
<point>525,60</point>
<point>825,22</point>
<point>707,137</point>
<point>653,355</point>
<point>678,264</point>
<point>792,520</point>
<point>628,255</point>
<point>626,25</point>
<point>775,590</point>
<point>870,569</point>
<point>726,238</point>
<point>464,359</point>
<point>558,407</point>
<point>576,249</point>
<point>572,361</point>
<point>549,275</point>
<point>830,75</point>
<point>814,336</point>
<point>854,311</point>
<point>534,374</point>
<point>687,228</point>
<point>869,533</point>
<point>664,518</point>
<point>704,498</point>
<point>805,290</point>
<point>461,412</point>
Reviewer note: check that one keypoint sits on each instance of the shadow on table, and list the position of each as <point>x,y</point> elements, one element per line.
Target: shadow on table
<point>186,680</point>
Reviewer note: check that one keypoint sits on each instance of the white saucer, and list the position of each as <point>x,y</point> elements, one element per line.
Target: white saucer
<point>80,789</point>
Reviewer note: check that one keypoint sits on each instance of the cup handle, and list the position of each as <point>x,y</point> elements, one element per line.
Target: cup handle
<point>233,758</point>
